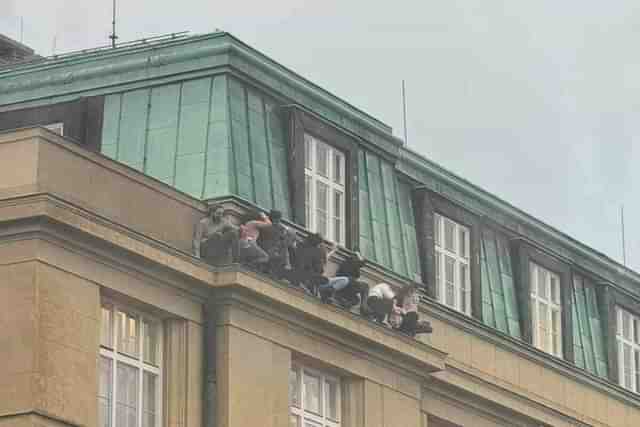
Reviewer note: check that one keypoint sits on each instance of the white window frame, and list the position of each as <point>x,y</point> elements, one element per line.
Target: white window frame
<point>543,307</point>
<point>628,378</point>
<point>459,254</point>
<point>313,179</point>
<point>57,127</point>
<point>306,417</point>
<point>114,354</point>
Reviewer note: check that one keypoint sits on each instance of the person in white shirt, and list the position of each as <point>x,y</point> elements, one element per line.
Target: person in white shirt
<point>408,299</point>
<point>380,301</point>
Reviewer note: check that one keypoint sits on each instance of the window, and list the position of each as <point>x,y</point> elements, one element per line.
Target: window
<point>314,397</point>
<point>453,287</point>
<point>130,381</point>
<point>546,310</point>
<point>56,128</point>
<point>628,339</point>
<point>324,180</point>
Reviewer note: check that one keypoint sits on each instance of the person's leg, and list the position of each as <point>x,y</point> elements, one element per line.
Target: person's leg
<point>328,288</point>
<point>409,323</point>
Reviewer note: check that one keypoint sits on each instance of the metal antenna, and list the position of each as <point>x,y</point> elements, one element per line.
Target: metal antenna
<point>113,36</point>
<point>624,246</point>
<point>404,113</point>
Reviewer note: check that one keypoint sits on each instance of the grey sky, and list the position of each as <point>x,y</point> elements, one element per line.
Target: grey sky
<point>536,101</point>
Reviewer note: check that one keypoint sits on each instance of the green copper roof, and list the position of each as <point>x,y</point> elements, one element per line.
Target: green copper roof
<point>132,73</point>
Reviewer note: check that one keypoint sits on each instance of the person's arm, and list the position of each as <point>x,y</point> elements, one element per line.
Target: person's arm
<point>263,222</point>
<point>333,250</point>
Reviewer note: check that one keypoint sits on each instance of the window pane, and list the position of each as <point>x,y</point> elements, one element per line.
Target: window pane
<point>127,333</point>
<point>463,250</point>
<point>127,396</point>
<point>307,151</point>
<point>150,336</point>
<point>331,399</point>
<point>554,289</point>
<point>449,272</point>
<point>307,200</point>
<point>106,327</point>
<point>322,193</point>
<point>149,395</point>
<point>312,396</point>
<point>542,283</point>
<point>463,287</point>
<point>636,330</point>
<point>555,331</point>
<point>322,159</point>
<point>337,167</point>
<point>626,361</point>
<point>438,261</point>
<point>626,326</point>
<point>337,215</point>
<point>449,232</point>
<point>637,366</point>
<point>294,387</point>
<point>104,392</point>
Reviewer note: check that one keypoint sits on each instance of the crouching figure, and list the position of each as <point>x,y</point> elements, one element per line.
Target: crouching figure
<point>215,238</point>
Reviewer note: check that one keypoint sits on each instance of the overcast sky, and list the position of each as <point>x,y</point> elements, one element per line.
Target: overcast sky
<point>536,101</point>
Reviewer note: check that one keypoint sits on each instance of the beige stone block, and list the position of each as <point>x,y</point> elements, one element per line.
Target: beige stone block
<point>530,375</point>
<point>507,367</point>
<point>23,154</point>
<point>399,410</point>
<point>69,291</point>
<point>553,385</point>
<point>18,339</point>
<point>632,417</point>
<point>483,356</point>
<point>68,327</point>
<point>14,252</point>
<point>66,383</point>
<point>458,345</point>
<point>574,397</point>
<point>17,283</point>
<point>16,394</point>
<point>373,405</point>
<point>595,405</point>
<point>616,410</point>
<point>256,389</point>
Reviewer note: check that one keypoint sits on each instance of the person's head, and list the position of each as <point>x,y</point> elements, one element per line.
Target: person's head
<point>275,216</point>
<point>216,212</point>
<point>408,289</point>
<point>252,216</point>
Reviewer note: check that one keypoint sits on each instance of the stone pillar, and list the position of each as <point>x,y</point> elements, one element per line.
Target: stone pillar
<point>252,380</point>
<point>183,373</point>
<point>49,329</point>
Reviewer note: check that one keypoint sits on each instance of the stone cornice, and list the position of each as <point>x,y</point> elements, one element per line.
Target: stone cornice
<point>51,216</point>
<point>512,345</point>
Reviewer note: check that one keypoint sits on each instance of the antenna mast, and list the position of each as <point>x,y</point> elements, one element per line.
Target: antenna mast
<point>404,113</point>
<point>624,246</point>
<point>113,36</point>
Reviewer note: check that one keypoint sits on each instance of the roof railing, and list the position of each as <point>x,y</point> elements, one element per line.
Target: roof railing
<point>105,48</point>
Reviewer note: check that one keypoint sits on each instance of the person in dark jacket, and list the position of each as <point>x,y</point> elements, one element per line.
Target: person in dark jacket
<point>310,259</point>
<point>345,287</point>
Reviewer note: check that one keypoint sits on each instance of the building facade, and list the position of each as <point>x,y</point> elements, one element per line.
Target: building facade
<point>108,160</point>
